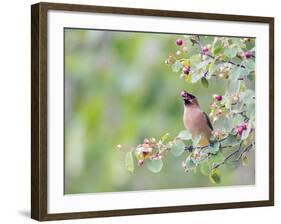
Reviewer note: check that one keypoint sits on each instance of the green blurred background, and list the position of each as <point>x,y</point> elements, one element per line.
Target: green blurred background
<point>118,90</point>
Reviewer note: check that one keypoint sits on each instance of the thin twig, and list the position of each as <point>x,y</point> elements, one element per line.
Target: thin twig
<point>245,150</point>
<point>237,79</point>
<point>190,148</point>
<point>224,61</point>
<point>228,157</point>
<point>216,59</point>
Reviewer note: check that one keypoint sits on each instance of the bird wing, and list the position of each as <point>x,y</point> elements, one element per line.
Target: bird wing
<point>208,121</point>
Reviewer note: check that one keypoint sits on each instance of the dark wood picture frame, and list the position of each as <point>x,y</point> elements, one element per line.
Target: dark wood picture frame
<point>39,105</point>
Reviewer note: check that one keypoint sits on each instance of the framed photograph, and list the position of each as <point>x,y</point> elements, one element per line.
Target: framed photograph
<point>139,111</point>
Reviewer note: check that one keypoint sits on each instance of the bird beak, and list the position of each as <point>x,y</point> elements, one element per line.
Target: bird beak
<point>187,96</point>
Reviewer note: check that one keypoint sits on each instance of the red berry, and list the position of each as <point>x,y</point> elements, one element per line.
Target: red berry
<point>205,50</point>
<point>186,70</point>
<point>179,42</point>
<point>218,97</point>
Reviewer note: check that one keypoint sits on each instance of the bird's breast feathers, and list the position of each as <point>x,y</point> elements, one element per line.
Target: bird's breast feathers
<point>195,121</point>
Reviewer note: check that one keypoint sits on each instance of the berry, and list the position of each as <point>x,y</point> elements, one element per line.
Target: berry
<point>218,112</point>
<point>119,146</point>
<point>146,141</point>
<point>244,126</point>
<point>179,42</point>
<point>178,53</point>
<point>140,162</point>
<point>221,75</point>
<point>139,155</point>
<point>204,57</point>
<point>186,70</point>
<point>248,54</point>
<point>205,50</point>
<point>235,98</point>
<point>218,97</point>
<point>240,130</point>
<point>153,140</point>
<point>246,40</point>
<point>184,49</point>
<point>197,155</point>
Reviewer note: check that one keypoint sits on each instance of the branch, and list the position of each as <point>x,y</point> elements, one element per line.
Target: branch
<point>228,157</point>
<point>190,148</point>
<point>245,150</point>
<point>213,57</point>
<point>237,79</point>
<point>224,61</point>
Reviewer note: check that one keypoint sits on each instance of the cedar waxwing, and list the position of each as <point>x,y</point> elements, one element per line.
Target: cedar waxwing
<point>195,120</point>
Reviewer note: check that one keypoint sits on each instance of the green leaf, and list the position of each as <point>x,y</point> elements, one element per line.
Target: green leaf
<point>165,137</point>
<point>129,162</point>
<point>186,78</point>
<point>242,87</point>
<point>217,159</point>
<point>215,176</point>
<point>234,86</point>
<point>178,148</point>
<point>211,67</point>
<point>251,110</point>
<point>236,72</point>
<point>204,82</point>
<point>237,119</point>
<point>195,77</point>
<point>232,140</point>
<point>189,163</point>
<point>213,148</point>
<point>226,100</point>
<point>203,65</point>
<point>239,43</point>
<point>251,77</point>
<point>245,160</point>
<point>250,65</point>
<point>223,123</point>
<point>195,59</point>
<point>217,48</point>
<point>154,166</point>
<point>248,96</point>
<point>176,66</point>
<point>196,140</point>
<point>231,52</point>
<point>205,168</point>
<point>193,41</point>
<point>185,135</point>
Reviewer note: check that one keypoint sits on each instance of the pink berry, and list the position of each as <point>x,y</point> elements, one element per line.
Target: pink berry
<point>179,42</point>
<point>140,162</point>
<point>186,70</point>
<point>248,54</point>
<point>244,126</point>
<point>184,49</point>
<point>205,50</point>
<point>146,141</point>
<point>240,130</point>
<point>235,98</point>
<point>218,97</point>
